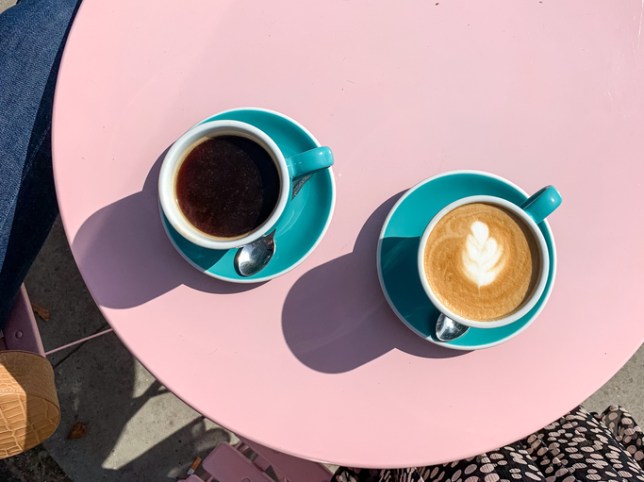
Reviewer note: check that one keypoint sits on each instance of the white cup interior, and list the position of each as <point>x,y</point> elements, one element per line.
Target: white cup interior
<point>177,154</point>
<point>543,253</point>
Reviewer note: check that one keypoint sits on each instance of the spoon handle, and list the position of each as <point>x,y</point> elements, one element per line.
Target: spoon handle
<point>299,184</point>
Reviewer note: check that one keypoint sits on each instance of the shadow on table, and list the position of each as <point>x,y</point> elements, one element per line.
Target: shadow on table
<point>124,249</point>
<point>332,317</point>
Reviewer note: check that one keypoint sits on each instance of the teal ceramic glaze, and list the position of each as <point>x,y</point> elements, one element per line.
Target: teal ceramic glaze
<point>398,251</point>
<point>305,218</point>
<point>542,203</point>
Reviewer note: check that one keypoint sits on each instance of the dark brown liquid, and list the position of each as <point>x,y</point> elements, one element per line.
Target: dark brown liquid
<point>227,186</point>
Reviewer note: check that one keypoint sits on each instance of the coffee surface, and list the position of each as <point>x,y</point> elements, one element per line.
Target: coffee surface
<point>227,186</point>
<point>482,261</point>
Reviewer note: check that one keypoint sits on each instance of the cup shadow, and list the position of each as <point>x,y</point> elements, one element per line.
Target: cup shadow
<point>124,249</point>
<point>335,317</point>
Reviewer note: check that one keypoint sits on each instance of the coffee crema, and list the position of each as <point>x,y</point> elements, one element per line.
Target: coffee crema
<point>227,186</point>
<point>482,262</point>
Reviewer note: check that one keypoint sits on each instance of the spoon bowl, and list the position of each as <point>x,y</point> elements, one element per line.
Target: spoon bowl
<point>448,329</point>
<point>253,257</point>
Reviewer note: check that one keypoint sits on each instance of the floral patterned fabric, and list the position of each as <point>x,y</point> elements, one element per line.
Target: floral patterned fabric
<point>581,446</point>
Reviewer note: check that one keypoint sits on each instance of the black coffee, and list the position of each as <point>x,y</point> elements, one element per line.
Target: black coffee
<point>227,186</point>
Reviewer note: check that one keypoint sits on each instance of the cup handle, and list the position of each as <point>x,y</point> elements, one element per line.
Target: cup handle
<point>309,161</point>
<point>542,203</point>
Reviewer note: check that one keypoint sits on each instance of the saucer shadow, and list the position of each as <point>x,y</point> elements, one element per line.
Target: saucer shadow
<point>335,317</point>
<point>124,250</point>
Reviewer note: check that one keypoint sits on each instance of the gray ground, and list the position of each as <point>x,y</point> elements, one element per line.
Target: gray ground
<point>137,430</point>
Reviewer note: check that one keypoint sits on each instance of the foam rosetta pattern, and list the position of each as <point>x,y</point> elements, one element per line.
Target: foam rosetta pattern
<point>481,261</point>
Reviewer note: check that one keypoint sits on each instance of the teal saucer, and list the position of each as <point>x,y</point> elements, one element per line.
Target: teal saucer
<point>301,226</point>
<point>398,250</point>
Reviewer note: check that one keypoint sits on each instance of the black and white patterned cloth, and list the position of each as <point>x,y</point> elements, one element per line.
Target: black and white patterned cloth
<point>580,446</point>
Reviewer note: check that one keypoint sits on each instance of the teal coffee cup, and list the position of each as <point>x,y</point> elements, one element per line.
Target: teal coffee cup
<point>483,260</point>
<point>221,215</point>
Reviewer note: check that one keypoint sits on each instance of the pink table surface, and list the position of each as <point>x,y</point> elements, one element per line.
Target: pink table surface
<point>315,363</point>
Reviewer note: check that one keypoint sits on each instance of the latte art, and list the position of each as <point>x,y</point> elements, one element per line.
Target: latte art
<point>482,256</point>
<point>481,261</point>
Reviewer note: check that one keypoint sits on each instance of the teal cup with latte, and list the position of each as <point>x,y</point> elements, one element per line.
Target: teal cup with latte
<point>483,261</point>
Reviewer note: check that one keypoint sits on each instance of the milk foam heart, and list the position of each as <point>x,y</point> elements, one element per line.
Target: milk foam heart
<point>482,261</point>
<point>482,256</point>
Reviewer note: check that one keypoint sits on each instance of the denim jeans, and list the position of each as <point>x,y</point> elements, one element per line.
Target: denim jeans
<point>32,35</point>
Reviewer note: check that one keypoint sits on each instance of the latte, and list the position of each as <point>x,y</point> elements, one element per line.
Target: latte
<point>482,262</point>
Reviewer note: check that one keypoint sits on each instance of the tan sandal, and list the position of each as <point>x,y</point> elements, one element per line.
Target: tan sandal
<point>29,408</point>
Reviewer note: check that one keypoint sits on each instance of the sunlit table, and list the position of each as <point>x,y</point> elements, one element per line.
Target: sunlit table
<point>315,363</point>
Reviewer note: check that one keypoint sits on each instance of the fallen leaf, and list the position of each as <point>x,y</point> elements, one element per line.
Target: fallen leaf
<point>40,311</point>
<point>78,430</point>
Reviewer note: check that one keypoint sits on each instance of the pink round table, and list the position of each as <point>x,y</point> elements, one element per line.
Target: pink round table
<point>315,363</point>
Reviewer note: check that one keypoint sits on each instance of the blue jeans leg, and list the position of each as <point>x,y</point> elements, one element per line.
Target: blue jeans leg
<point>32,35</point>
